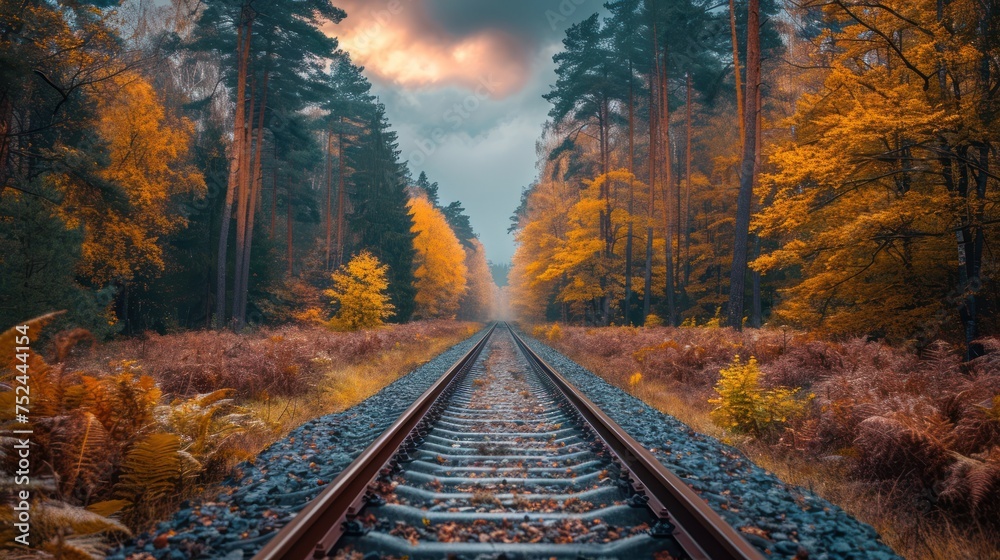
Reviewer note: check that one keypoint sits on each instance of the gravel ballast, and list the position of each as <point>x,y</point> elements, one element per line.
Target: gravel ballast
<point>779,519</point>
<point>782,520</point>
<point>264,494</point>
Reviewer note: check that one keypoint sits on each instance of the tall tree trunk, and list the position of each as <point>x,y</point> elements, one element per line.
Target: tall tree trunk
<point>975,299</point>
<point>242,207</point>
<point>627,306</point>
<point>274,196</point>
<point>289,246</point>
<point>651,213</point>
<point>648,280</point>
<point>756,313</point>
<point>736,72</point>
<point>756,318</point>
<point>243,54</point>
<point>687,191</point>
<point>738,271</point>
<point>341,195</point>
<point>6,133</point>
<point>677,233</point>
<point>256,186</point>
<point>328,210</point>
<point>605,310</point>
<point>605,133</point>
<point>668,174</point>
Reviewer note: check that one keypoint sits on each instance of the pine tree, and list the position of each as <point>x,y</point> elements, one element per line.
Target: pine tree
<point>380,220</point>
<point>748,170</point>
<point>350,107</point>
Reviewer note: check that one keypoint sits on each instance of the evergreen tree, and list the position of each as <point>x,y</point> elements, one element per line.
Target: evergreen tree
<point>350,106</point>
<point>460,223</point>
<point>380,220</point>
<point>430,189</point>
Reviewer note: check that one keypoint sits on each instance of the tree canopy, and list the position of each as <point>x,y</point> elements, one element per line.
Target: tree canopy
<point>867,188</point>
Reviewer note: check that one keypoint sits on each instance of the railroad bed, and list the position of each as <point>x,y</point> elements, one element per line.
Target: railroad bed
<point>502,458</point>
<point>314,486</point>
<point>506,468</point>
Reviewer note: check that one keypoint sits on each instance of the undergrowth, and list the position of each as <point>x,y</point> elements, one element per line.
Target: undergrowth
<point>908,442</point>
<point>123,432</point>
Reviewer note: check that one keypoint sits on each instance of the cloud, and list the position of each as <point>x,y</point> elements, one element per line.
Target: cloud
<point>401,42</point>
<point>430,62</point>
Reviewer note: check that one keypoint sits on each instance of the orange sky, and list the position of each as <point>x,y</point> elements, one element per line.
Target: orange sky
<point>397,43</point>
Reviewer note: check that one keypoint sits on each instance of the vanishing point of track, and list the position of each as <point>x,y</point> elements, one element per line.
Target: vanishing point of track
<point>503,458</point>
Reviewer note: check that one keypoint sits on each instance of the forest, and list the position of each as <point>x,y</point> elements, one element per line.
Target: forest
<point>205,227</point>
<point>207,164</point>
<point>820,175</point>
<point>835,170</point>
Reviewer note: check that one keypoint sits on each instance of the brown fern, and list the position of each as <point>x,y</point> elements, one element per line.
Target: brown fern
<point>984,481</point>
<point>82,454</point>
<point>9,338</point>
<point>973,486</point>
<point>152,469</point>
<point>939,357</point>
<point>979,427</point>
<point>903,448</point>
<point>209,426</point>
<point>65,341</point>
<point>64,531</point>
<point>804,436</point>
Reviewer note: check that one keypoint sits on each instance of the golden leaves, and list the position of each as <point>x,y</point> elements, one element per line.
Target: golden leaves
<point>148,162</point>
<point>359,288</point>
<point>479,300</point>
<point>743,406</point>
<point>861,213</point>
<point>562,248</point>
<point>440,274</point>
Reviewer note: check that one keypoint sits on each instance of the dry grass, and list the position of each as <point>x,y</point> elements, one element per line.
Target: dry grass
<point>908,443</point>
<point>285,375</point>
<point>116,422</point>
<point>344,385</point>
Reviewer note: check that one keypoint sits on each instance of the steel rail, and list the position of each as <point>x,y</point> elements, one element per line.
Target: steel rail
<point>702,533</point>
<point>315,530</point>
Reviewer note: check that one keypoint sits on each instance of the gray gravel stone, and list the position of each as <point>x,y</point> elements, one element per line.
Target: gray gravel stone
<point>260,497</point>
<point>798,517</point>
<point>261,492</point>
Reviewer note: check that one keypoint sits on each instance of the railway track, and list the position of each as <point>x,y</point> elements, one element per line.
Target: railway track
<point>502,458</point>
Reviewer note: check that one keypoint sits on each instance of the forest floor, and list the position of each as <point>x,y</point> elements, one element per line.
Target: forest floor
<point>284,376</point>
<point>273,380</point>
<point>905,442</point>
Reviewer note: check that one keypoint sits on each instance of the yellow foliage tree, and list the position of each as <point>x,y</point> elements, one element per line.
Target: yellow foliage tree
<point>478,303</point>
<point>148,161</point>
<point>359,289</point>
<point>881,195</point>
<point>440,274</point>
<point>542,229</point>
<point>562,248</point>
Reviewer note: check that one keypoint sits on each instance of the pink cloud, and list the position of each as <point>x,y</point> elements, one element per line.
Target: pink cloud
<point>396,43</point>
